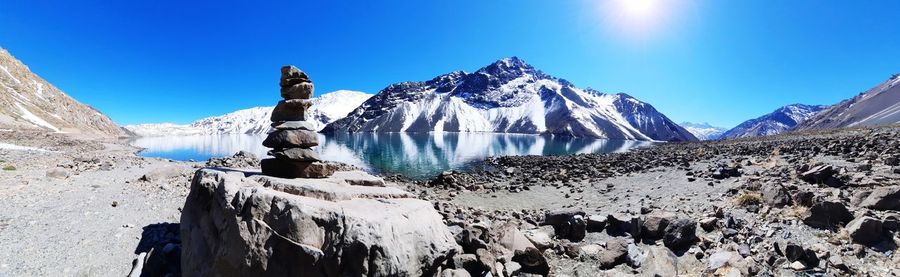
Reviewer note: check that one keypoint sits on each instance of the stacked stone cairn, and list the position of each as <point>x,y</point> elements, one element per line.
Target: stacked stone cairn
<point>293,137</point>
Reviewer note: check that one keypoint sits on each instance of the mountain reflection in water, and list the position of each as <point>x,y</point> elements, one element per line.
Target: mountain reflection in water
<point>415,155</point>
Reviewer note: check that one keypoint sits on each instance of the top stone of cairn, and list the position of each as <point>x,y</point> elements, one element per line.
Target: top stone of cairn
<point>295,84</point>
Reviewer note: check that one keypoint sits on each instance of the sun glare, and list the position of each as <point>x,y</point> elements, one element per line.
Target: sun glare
<point>638,8</point>
<point>635,18</point>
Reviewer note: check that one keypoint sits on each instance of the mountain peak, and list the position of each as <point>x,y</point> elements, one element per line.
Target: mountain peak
<point>507,65</point>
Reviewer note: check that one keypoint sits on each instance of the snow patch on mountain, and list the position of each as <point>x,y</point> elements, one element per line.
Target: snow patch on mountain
<point>879,105</point>
<point>776,122</point>
<point>508,96</point>
<point>703,131</point>
<point>325,109</point>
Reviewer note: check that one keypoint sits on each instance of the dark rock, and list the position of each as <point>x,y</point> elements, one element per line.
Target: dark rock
<point>294,169</point>
<point>296,154</point>
<point>794,252</point>
<point>822,174</point>
<point>827,215</point>
<point>241,159</point>
<point>291,139</point>
<point>567,224</point>
<point>596,223</point>
<point>680,234</point>
<point>654,225</point>
<point>532,261</point>
<point>865,230</point>
<point>883,198</point>
<point>621,225</point>
<point>776,195</point>
<point>804,198</point>
<point>709,224</point>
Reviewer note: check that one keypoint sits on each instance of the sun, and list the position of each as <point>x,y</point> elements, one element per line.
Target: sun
<point>636,18</point>
<point>638,9</point>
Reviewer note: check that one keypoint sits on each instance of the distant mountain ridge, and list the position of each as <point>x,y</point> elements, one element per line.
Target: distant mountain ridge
<point>508,96</point>
<point>781,120</point>
<point>27,101</point>
<point>325,109</point>
<point>879,105</point>
<point>703,131</point>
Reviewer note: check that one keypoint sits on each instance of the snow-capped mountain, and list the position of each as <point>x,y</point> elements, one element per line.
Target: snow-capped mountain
<point>703,131</point>
<point>27,101</point>
<point>325,109</point>
<point>877,106</point>
<point>508,96</point>
<point>779,121</point>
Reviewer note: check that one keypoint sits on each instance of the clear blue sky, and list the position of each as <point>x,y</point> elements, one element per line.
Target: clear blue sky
<point>716,61</point>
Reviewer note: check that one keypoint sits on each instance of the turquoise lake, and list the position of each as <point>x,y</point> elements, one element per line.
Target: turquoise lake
<point>415,155</point>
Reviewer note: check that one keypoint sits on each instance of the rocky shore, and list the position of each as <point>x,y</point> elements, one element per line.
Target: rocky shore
<point>815,204</point>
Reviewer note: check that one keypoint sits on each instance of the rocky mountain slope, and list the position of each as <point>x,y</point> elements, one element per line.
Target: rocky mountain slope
<point>776,122</point>
<point>703,131</point>
<point>508,96</point>
<point>877,106</point>
<point>326,109</point>
<point>27,101</point>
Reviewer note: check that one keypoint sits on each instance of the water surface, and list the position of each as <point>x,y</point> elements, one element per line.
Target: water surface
<point>416,155</point>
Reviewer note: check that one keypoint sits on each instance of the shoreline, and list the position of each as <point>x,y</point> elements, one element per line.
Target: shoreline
<point>87,207</point>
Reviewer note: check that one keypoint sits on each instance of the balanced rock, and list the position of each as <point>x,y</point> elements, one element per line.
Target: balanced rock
<point>294,125</point>
<point>283,168</point>
<point>296,154</point>
<point>290,110</point>
<point>297,91</point>
<point>238,225</point>
<point>291,139</point>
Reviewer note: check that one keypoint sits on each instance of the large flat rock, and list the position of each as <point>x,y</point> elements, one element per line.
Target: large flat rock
<point>235,225</point>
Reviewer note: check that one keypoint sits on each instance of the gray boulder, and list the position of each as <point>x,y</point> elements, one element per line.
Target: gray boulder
<point>883,198</point>
<point>680,234</point>
<point>290,110</point>
<point>654,225</point>
<point>865,230</point>
<point>291,139</point>
<point>827,215</point>
<point>776,195</point>
<point>567,224</point>
<point>238,225</point>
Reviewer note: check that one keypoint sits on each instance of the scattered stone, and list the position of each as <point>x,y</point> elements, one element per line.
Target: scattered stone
<point>827,215</point>
<point>883,199</point>
<point>865,230</point>
<point>615,254</point>
<point>57,173</point>
<point>654,225</point>
<point>595,223</point>
<point>660,261</point>
<point>680,234</point>
<point>776,195</point>
<point>567,224</point>
<point>241,159</point>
